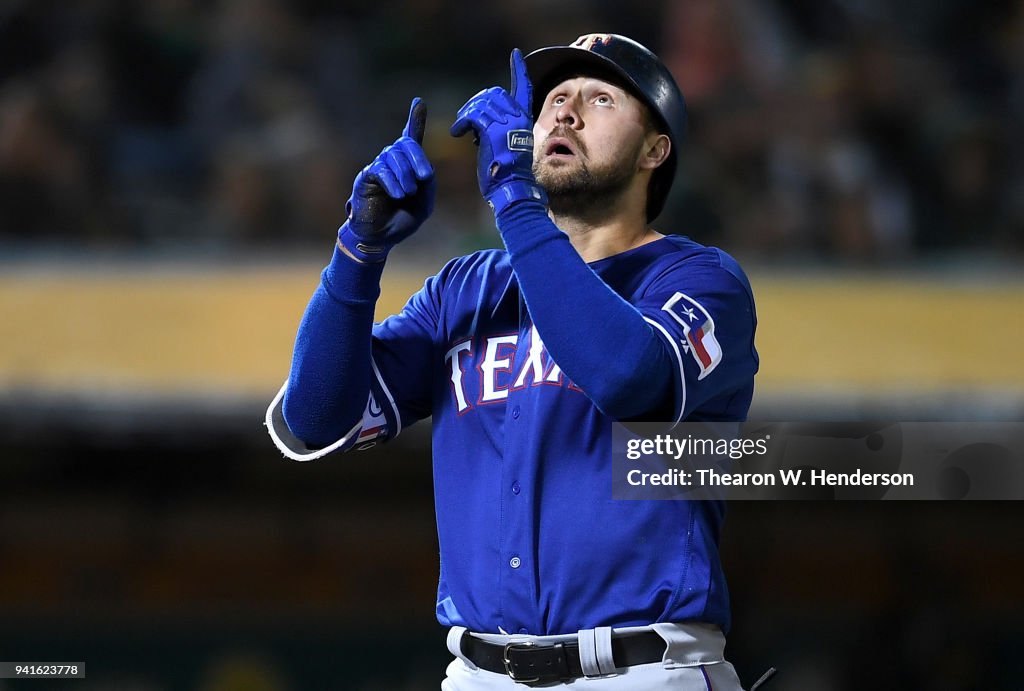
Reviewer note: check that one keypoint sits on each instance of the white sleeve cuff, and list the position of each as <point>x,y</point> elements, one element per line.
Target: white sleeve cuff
<point>290,445</point>
<point>371,427</point>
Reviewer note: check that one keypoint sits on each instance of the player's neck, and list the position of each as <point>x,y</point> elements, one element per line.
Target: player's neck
<point>604,226</point>
<point>612,236</point>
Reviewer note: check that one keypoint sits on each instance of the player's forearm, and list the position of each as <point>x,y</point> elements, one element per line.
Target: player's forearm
<point>330,375</point>
<point>599,340</point>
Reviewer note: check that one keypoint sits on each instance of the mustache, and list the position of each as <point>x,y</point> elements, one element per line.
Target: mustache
<point>566,133</point>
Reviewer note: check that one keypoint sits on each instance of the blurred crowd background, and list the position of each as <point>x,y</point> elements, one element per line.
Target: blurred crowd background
<point>851,130</point>
<point>172,173</point>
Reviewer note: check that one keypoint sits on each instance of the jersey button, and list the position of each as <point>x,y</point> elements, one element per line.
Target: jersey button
<point>515,562</point>
<point>515,413</point>
<point>523,630</point>
<point>515,487</point>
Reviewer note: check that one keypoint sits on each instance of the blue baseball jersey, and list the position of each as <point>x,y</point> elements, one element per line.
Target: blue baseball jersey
<point>531,540</point>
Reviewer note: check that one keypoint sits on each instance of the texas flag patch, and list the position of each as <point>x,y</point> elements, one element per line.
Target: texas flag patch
<point>699,330</point>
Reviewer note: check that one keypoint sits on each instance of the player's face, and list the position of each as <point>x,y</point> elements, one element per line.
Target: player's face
<point>589,138</point>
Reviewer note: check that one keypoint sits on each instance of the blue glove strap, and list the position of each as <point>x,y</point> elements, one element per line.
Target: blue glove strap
<point>360,249</point>
<point>515,191</point>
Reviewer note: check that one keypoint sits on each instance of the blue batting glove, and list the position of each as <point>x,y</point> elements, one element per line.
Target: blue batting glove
<point>503,126</point>
<point>392,196</point>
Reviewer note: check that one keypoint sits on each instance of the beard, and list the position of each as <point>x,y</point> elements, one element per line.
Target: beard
<point>580,189</point>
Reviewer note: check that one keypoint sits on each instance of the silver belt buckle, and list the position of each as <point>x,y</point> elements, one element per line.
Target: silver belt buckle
<point>508,663</point>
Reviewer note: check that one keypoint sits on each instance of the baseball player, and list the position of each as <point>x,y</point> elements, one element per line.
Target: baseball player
<point>524,358</point>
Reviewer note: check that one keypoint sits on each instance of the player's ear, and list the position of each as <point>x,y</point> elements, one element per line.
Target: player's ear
<point>656,149</point>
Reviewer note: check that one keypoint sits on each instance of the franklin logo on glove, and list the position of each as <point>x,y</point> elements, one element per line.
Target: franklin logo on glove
<point>520,140</point>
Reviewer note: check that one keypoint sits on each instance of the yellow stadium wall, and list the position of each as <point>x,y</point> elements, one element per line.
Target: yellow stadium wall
<point>175,331</point>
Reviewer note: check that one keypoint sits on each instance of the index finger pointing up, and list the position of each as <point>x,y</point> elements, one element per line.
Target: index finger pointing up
<point>522,89</point>
<point>417,122</point>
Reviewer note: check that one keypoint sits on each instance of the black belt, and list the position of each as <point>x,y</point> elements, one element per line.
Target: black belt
<point>533,665</point>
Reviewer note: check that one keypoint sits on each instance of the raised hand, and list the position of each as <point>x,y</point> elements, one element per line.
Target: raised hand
<point>392,196</point>
<point>503,126</point>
